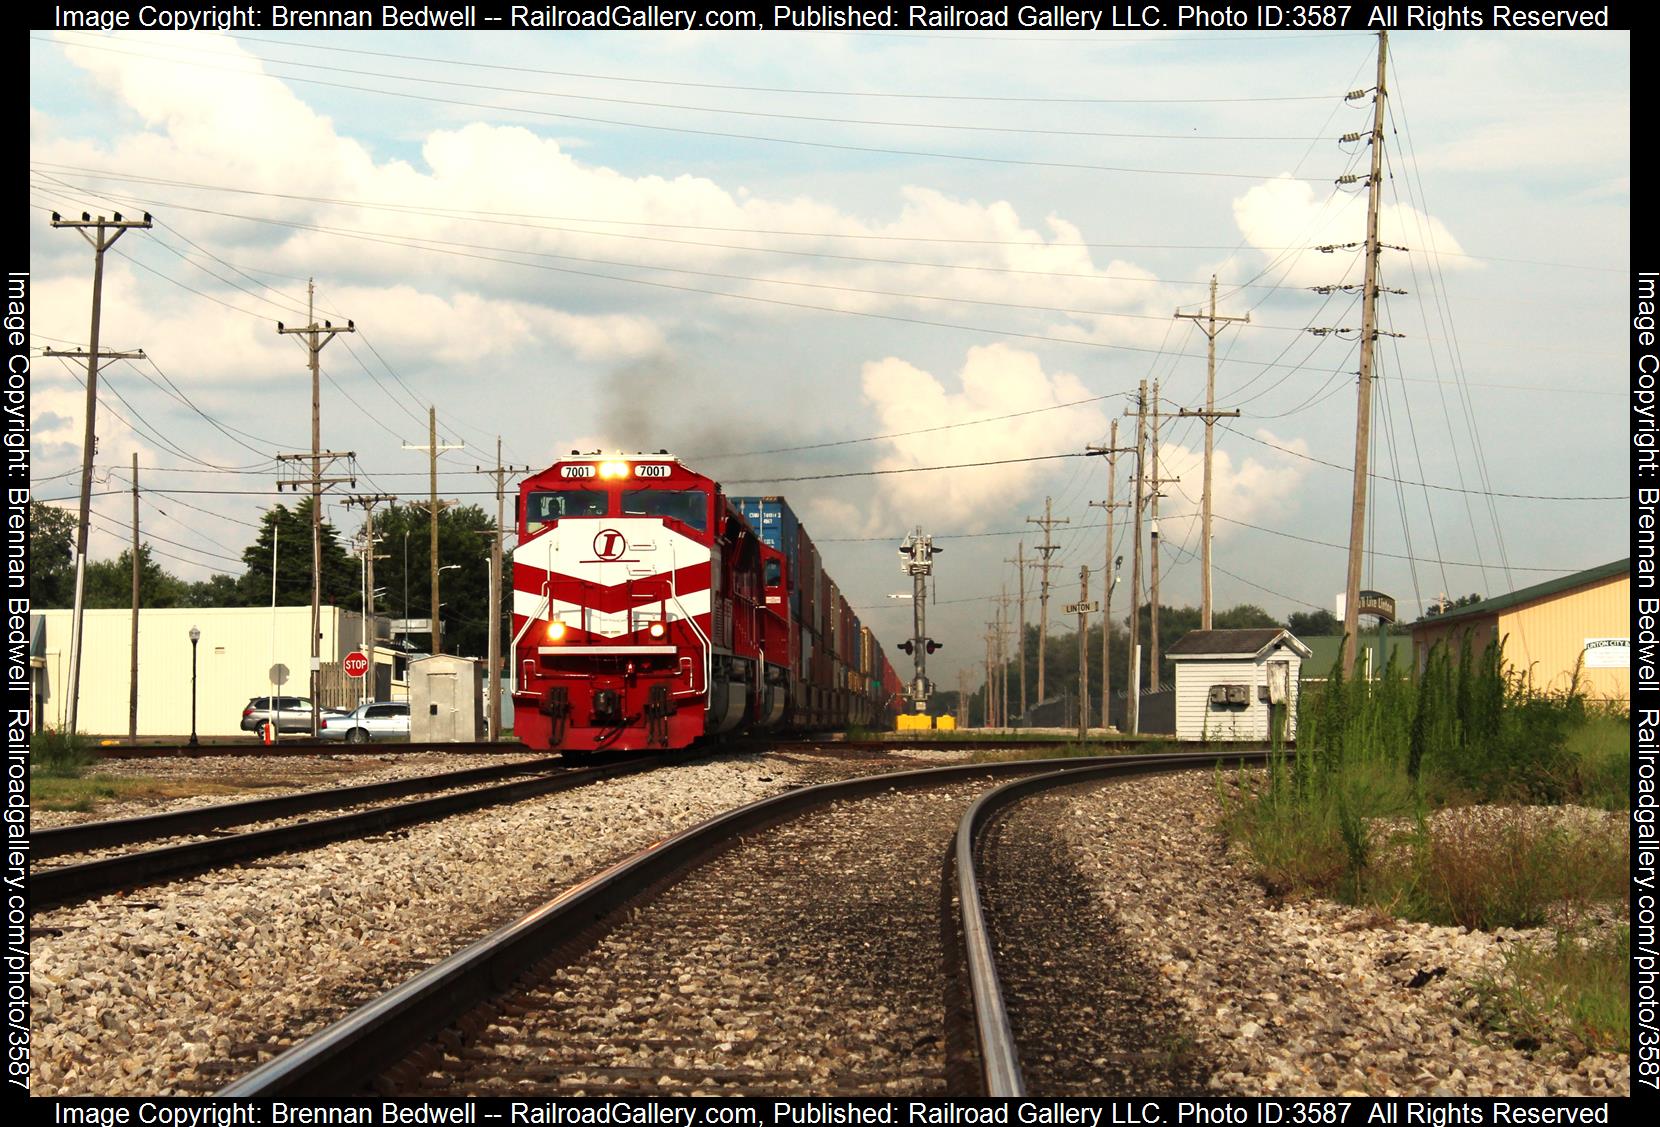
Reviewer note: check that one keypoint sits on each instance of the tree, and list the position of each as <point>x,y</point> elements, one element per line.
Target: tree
<point>109,583</point>
<point>51,556</point>
<point>214,591</point>
<point>1311,624</point>
<point>290,530</point>
<point>403,567</point>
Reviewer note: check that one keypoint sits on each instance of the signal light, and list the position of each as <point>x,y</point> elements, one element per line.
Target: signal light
<point>908,647</point>
<point>932,645</point>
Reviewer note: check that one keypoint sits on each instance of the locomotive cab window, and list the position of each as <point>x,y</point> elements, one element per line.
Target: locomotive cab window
<point>542,509</point>
<point>689,506</point>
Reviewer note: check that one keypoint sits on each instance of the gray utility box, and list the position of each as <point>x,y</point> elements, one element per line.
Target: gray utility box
<point>446,699</point>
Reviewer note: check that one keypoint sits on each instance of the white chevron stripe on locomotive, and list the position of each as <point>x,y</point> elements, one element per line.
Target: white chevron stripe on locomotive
<point>646,547</point>
<point>528,604</point>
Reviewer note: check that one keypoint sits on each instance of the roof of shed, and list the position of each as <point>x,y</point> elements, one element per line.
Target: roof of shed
<point>1203,643</point>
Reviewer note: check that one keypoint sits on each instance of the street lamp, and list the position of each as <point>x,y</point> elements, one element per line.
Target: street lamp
<point>437,623</point>
<point>406,584</point>
<point>195,636</point>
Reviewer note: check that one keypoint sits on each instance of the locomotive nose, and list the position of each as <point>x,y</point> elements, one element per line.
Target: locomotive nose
<point>607,706</point>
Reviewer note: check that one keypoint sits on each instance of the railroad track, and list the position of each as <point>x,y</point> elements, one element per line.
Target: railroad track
<point>794,958</point>
<point>62,884</point>
<point>1024,907</point>
<point>295,745</point>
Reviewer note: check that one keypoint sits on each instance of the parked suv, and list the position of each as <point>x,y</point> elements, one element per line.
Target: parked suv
<point>292,714</point>
<point>377,720</point>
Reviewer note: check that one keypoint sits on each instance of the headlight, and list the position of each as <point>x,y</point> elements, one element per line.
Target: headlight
<point>556,631</point>
<point>656,630</point>
<point>613,469</point>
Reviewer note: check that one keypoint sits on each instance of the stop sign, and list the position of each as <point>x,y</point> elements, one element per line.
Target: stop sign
<point>356,664</point>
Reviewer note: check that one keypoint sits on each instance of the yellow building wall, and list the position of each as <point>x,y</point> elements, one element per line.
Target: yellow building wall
<point>1545,640</point>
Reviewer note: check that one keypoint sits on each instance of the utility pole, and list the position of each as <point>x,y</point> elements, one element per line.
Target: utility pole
<point>1112,450</point>
<point>1083,608</point>
<point>1048,548</point>
<point>1132,701</point>
<point>1363,407</point>
<point>1210,414</point>
<point>316,338</point>
<point>988,716</point>
<point>1003,601</point>
<point>132,695</point>
<point>108,230</point>
<point>1155,680</point>
<point>499,472</point>
<point>433,449</point>
<point>1020,570</point>
<point>367,502</point>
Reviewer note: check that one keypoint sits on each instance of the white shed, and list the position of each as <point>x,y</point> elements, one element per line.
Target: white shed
<point>1231,683</point>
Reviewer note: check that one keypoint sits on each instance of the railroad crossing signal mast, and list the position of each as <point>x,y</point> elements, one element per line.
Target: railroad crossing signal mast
<point>916,559</point>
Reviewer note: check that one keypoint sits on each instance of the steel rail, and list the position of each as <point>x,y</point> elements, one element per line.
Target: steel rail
<point>999,1057</point>
<point>82,836</point>
<point>345,1056</point>
<point>303,745</point>
<point>68,883</point>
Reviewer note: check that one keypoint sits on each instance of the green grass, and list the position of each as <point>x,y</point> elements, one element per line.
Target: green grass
<point>1574,992</point>
<point>1600,754</point>
<point>57,792</point>
<point>59,755</point>
<point>1350,814</point>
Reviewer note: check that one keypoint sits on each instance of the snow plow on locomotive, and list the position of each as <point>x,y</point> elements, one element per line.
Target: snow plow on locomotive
<point>648,613</point>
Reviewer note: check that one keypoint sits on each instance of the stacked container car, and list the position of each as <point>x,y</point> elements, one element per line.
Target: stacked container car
<point>836,687</point>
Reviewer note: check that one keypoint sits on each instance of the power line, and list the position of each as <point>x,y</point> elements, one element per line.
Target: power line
<point>1423,484</point>
<point>723,134</point>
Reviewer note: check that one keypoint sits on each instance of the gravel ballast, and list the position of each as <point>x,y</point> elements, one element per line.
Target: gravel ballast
<point>1305,997</point>
<point>182,987</point>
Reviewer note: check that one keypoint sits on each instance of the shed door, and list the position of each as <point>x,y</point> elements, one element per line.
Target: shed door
<point>1279,682</point>
<point>441,705</point>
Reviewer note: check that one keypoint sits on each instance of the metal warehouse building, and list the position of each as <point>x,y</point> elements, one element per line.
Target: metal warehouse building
<point>1578,622</point>
<point>237,648</point>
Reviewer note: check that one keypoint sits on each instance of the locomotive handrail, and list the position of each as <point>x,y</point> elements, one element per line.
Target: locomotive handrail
<point>703,639</point>
<point>547,601</point>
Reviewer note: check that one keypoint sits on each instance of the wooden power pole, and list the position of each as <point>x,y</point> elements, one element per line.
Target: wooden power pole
<point>1363,406</point>
<point>1112,450</point>
<point>108,230</point>
<point>1132,701</point>
<point>433,449</point>
<point>1208,325</point>
<point>1048,548</point>
<point>499,472</point>
<point>1020,570</point>
<point>316,339</point>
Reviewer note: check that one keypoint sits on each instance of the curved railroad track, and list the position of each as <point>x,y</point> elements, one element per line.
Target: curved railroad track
<point>769,949</point>
<point>1061,1005</point>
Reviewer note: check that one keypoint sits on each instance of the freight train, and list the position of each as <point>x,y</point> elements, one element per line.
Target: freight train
<point>651,610</point>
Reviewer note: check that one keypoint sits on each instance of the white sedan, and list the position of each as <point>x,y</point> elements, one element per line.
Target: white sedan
<point>377,720</point>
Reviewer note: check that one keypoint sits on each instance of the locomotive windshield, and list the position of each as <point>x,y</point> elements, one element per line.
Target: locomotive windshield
<point>542,509</point>
<point>688,506</point>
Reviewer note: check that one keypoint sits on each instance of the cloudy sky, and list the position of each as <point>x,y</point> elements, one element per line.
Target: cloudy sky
<point>797,258</point>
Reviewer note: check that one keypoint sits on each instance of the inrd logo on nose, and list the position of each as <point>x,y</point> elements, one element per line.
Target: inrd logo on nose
<point>609,544</point>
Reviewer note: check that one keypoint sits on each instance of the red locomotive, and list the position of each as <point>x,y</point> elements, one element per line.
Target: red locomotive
<point>649,613</point>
